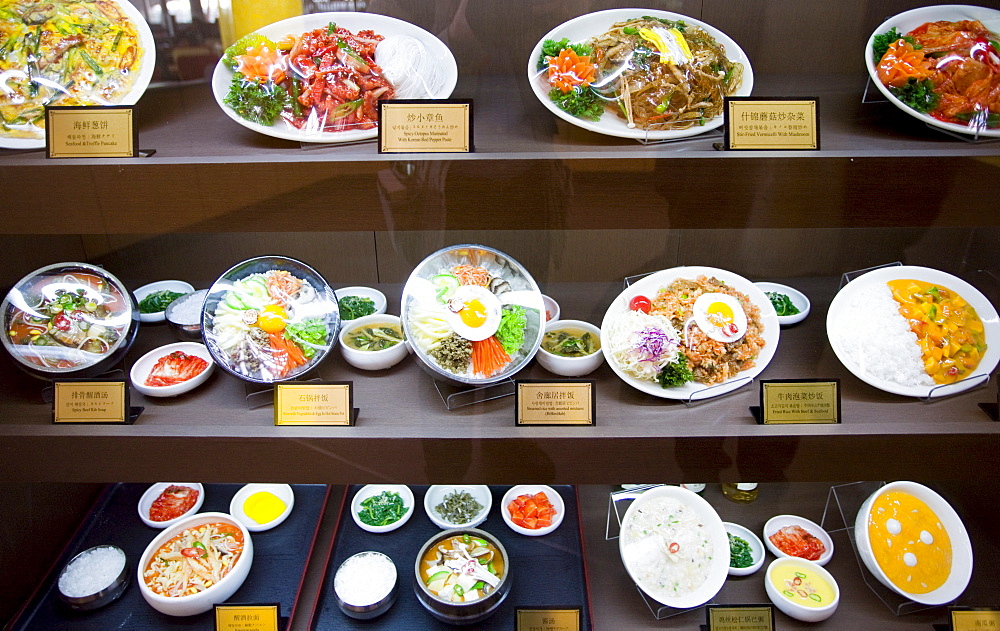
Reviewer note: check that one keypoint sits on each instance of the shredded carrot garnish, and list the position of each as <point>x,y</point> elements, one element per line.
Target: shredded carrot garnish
<point>569,70</point>
<point>287,355</point>
<point>488,357</point>
<point>472,275</point>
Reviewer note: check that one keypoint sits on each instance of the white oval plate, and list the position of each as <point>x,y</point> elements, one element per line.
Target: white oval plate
<point>142,366</point>
<point>437,492</point>
<point>160,285</point>
<point>381,24</point>
<point>649,285</point>
<point>756,549</point>
<point>778,522</point>
<point>593,24</point>
<point>909,20</point>
<point>836,317</point>
<point>283,492</point>
<point>132,96</point>
<point>799,300</point>
<point>153,492</point>
<point>375,489</point>
<point>555,499</point>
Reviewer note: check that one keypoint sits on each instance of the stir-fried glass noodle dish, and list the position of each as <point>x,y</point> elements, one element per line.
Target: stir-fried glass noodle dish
<point>947,70</point>
<point>654,73</point>
<point>67,318</point>
<point>194,560</point>
<point>330,77</point>
<point>64,52</point>
<point>472,314</point>
<point>270,325</point>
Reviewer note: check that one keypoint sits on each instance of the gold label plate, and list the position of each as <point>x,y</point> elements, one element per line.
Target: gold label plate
<point>779,124</point>
<point>90,132</point>
<point>79,401</point>
<point>246,618</point>
<point>564,619</point>
<point>425,126</point>
<point>799,401</point>
<point>741,618</point>
<point>557,402</point>
<point>327,403</point>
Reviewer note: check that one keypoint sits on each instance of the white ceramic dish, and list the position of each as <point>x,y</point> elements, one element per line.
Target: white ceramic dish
<point>375,489</point>
<point>203,601</point>
<point>372,360</point>
<point>142,366</point>
<point>365,292</point>
<point>714,531</point>
<point>909,20</point>
<point>283,492</point>
<point>799,299</point>
<point>590,25</point>
<point>839,327</point>
<point>961,559</point>
<point>178,286</point>
<point>650,285</point>
<point>437,492</point>
<point>778,522</point>
<point>796,610</point>
<point>555,500</point>
<point>570,366</point>
<point>153,492</point>
<point>756,548</point>
<point>551,308</point>
<point>443,60</point>
<point>148,45</point>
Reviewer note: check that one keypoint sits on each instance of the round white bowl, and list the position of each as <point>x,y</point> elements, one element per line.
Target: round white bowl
<point>530,489</point>
<point>778,522</point>
<point>436,494</point>
<point>799,299</point>
<point>372,360</point>
<point>153,492</point>
<point>202,601</point>
<point>178,286</point>
<point>551,308</point>
<point>794,609</point>
<point>375,489</point>
<point>365,292</point>
<point>140,370</point>
<point>571,366</point>
<point>756,549</point>
<point>367,611</point>
<point>283,492</point>
<point>961,546</point>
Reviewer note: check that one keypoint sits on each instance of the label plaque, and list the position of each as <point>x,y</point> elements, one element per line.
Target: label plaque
<point>771,123</point>
<point>562,619</point>
<point>799,401</point>
<point>974,618</point>
<point>742,618</point>
<point>425,126</point>
<point>90,132</point>
<point>79,401</point>
<point>327,403</point>
<point>246,618</point>
<point>558,402</point>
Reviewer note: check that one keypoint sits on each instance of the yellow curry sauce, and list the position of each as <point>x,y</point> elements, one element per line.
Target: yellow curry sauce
<point>909,542</point>
<point>951,336</point>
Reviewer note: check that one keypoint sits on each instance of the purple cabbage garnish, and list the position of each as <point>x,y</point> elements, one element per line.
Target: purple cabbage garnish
<point>654,344</point>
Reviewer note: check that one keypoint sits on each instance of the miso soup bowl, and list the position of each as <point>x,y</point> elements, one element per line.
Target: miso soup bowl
<point>461,613</point>
<point>372,360</point>
<point>202,601</point>
<point>570,366</point>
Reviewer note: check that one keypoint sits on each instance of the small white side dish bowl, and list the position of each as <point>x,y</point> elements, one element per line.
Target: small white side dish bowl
<point>371,490</point>
<point>365,292</point>
<point>178,286</point>
<point>283,492</point>
<point>435,495</point>
<point>531,489</point>
<point>570,366</point>
<point>202,601</point>
<point>372,360</point>
<point>796,610</point>
<point>799,299</point>
<point>551,308</point>
<point>778,522</point>
<point>153,492</point>
<point>142,367</point>
<point>756,549</point>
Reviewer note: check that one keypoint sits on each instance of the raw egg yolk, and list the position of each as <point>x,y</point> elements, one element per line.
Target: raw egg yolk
<point>263,507</point>
<point>272,319</point>
<point>720,311</point>
<point>473,314</point>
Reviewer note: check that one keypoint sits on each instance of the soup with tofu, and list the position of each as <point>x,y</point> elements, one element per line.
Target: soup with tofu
<point>463,568</point>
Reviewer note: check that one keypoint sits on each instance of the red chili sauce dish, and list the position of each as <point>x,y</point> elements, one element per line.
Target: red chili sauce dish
<point>174,368</point>
<point>796,541</point>
<point>173,502</point>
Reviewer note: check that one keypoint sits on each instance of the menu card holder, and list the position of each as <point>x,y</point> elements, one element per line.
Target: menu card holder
<point>455,397</point>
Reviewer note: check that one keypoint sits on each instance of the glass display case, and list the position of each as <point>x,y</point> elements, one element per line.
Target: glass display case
<point>581,212</point>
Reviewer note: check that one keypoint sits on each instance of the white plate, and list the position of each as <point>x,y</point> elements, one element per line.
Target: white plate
<point>282,491</point>
<point>381,24</point>
<point>799,299</point>
<point>376,489</point>
<point>153,492</point>
<point>986,311</point>
<point>778,522</point>
<point>593,24</point>
<point>140,370</point>
<point>756,549</point>
<point>132,96</point>
<point>909,20</point>
<point>178,286</point>
<point>714,531</point>
<point>365,292</point>
<point>649,285</point>
<point>436,494</point>
<point>961,546</point>
<point>555,499</point>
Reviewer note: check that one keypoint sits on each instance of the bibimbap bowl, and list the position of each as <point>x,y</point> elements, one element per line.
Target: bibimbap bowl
<point>444,596</point>
<point>473,315</point>
<point>69,320</point>
<point>269,319</point>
